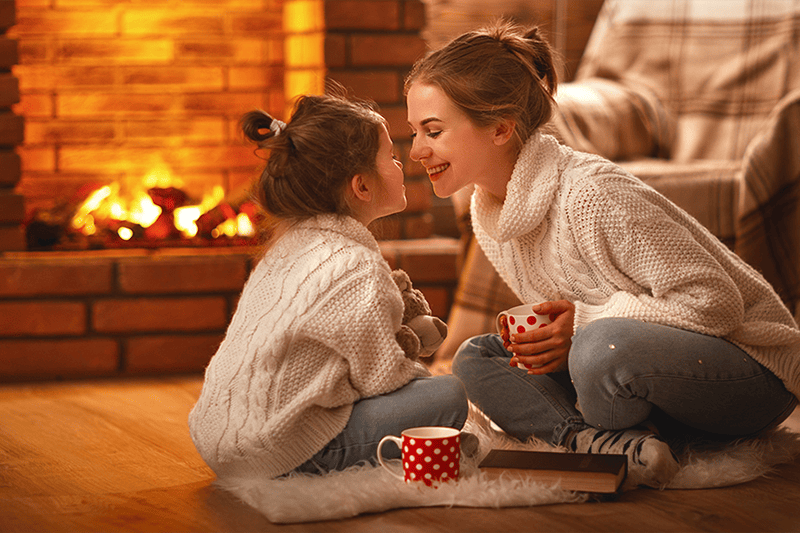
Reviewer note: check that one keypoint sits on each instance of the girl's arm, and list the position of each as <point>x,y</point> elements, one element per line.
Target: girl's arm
<point>356,328</point>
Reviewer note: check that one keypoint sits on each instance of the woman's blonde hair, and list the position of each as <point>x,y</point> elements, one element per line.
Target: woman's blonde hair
<point>328,140</point>
<point>502,71</point>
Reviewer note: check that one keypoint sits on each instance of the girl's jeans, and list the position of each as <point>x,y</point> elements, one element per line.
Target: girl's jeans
<point>622,371</point>
<point>432,401</point>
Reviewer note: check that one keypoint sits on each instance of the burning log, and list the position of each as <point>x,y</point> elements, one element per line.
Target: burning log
<point>167,198</point>
<point>210,220</point>
<point>144,217</point>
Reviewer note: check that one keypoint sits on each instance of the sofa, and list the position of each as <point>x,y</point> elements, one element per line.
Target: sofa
<point>701,100</point>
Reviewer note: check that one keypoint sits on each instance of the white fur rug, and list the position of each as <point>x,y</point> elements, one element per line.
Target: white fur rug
<point>370,489</point>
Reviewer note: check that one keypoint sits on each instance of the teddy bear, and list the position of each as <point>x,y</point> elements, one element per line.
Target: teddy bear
<point>421,333</point>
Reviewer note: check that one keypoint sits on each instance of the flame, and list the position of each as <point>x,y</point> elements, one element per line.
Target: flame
<point>83,219</point>
<point>244,226</point>
<point>186,217</point>
<point>161,176</point>
<point>227,228</point>
<point>142,210</point>
<point>107,203</point>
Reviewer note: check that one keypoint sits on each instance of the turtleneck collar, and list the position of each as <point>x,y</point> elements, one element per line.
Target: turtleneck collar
<point>529,193</point>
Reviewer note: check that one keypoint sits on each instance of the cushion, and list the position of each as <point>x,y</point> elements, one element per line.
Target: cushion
<point>613,120</point>
<point>719,70</point>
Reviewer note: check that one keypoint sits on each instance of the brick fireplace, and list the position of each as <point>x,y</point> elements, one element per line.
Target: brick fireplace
<point>97,92</point>
<point>113,91</point>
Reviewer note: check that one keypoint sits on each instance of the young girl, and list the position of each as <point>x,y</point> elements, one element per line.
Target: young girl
<point>657,320</point>
<point>310,376</point>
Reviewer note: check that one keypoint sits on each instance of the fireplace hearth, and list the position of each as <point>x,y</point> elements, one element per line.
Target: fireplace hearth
<point>102,94</point>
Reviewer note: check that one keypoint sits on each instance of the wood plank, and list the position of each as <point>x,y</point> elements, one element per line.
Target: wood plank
<point>117,456</point>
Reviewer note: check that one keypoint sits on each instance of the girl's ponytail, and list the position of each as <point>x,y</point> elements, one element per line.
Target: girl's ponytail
<point>258,126</point>
<point>328,140</point>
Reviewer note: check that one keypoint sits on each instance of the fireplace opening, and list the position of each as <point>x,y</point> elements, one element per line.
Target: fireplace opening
<point>154,212</point>
<point>131,114</point>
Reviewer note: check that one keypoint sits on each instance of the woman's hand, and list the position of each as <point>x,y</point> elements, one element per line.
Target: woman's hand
<point>547,346</point>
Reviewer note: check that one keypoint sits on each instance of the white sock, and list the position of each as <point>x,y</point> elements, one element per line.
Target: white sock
<point>650,459</point>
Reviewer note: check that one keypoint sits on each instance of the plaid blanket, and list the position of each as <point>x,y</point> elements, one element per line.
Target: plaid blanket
<point>768,225</point>
<point>691,97</point>
<point>718,67</point>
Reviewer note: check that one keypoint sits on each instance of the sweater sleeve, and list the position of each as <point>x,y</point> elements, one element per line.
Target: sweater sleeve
<point>665,267</point>
<point>356,327</point>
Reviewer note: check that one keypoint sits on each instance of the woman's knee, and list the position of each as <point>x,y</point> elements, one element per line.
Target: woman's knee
<point>472,351</point>
<point>601,346</point>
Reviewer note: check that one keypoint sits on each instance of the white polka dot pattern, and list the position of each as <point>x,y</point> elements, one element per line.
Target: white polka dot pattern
<point>431,460</point>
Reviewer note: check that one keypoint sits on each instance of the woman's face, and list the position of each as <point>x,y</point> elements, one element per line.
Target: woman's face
<point>454,151</point>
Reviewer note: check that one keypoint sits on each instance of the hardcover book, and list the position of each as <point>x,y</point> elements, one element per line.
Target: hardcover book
<point>582,472</point>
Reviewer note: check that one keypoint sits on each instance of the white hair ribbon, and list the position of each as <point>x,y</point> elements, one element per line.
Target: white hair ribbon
<point>277,126</point>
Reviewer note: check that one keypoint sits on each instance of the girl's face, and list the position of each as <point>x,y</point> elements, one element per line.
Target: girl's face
<point>391,194</point>
<point>454,151</point>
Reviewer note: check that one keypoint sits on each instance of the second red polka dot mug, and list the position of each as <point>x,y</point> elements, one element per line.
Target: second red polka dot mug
<point>430,455</point>
<point>520,319</point>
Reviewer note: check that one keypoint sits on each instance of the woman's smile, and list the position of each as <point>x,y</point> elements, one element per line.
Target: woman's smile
<point>435,172</point>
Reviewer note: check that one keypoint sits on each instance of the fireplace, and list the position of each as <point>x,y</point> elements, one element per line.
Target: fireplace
<point>144,98</point>
<point>136,96</point>
<point>113,93</point>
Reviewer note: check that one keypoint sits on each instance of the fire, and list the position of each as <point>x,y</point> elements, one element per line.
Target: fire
<point>186,217</point>
<point>106,203</point>
<point>109,207</point>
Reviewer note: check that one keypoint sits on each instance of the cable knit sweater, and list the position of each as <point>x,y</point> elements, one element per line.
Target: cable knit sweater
<point>575,226</point>
<point>314,331</point>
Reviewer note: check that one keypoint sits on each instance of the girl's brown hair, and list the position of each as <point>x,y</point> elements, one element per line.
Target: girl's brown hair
<point>498,72</point>
<point>328,140</point>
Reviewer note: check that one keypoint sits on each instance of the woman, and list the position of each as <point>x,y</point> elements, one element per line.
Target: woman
<point>656,318</point>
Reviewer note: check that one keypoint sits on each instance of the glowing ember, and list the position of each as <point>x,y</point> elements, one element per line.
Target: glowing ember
<point>157,207</point>
<point>106,204</point>
<point>245,225</point>
<point>125,233</point>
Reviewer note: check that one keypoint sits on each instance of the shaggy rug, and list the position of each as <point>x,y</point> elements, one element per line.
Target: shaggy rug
<point>370,489</point>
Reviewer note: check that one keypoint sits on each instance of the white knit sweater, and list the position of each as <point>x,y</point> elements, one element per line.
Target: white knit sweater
<point>575,226</point>
<point>314,331</point>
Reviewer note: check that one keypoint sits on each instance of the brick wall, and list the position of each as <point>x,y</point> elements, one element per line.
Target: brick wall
<point>369,47</point>
<point>567,24</point>
<point>89,314</point>
<point>112,90</point>
<point>12,204</point>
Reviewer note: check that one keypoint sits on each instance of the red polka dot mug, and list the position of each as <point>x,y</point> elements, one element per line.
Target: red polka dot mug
<point>518,320</point>
<point>430,455</point>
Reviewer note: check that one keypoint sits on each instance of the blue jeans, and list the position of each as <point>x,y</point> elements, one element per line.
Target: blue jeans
<point>623,372</point>
<point>431,401</point>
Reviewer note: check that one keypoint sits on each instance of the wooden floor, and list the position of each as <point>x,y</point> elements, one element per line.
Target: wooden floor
<point>116,456</point>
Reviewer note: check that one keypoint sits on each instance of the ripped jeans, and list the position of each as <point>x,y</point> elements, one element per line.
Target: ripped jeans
<point>622,372</point>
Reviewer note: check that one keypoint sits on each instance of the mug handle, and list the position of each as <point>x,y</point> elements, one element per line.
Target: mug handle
<point>399,443</point>
<point>497,321</point>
